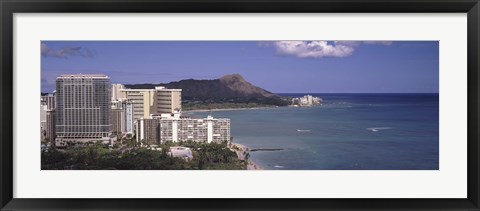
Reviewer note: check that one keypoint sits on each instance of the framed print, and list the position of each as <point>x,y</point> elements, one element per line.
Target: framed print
<point>239,105</point>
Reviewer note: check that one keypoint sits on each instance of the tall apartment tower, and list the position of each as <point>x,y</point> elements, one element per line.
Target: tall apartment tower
<point>128,111</point>
<point>83,108</point>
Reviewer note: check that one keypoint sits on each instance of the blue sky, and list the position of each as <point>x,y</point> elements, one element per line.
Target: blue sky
<point>277,66</point>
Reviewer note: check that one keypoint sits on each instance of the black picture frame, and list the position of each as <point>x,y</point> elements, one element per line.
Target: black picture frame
<point>10,7</point>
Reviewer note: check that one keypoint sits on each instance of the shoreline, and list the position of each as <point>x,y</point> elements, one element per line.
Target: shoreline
<point>241,150</point>
<point>239,109</point>
<point>230,109</point>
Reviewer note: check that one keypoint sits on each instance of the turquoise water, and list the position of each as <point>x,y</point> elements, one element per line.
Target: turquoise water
<point>347,132</point>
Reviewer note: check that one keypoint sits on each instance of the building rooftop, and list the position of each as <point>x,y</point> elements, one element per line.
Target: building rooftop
<point>157,88</point>
<point>83,76</point>
<point>135,90</point>
<point>181,152</point>
<point>162,88</point>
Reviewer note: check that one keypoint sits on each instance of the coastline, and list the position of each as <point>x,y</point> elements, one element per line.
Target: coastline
<point>253,108</point>
<point>242,151</point>
<point>230,109</point>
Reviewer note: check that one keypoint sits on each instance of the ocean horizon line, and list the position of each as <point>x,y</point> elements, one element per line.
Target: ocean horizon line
<point>355,93</point>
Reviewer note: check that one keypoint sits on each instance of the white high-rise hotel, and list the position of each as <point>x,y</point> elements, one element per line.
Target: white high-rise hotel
<point>83,107</point>
<point>174,128</point>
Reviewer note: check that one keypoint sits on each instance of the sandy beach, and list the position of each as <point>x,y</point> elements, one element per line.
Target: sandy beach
<point>242,151</point>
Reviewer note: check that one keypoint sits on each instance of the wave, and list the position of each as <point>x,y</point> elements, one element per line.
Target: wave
<point>376,129</point>
<point>298,130</point>
<point>278,166</point>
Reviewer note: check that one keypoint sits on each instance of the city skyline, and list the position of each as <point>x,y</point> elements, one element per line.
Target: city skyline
<point>277,66</point>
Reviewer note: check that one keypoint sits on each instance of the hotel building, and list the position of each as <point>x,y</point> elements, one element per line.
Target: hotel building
<point>43,121</point>
<point>47,105</point>
<point>118,120</point>
<point>48,100</point>
<point>148,130</point>
<point>116,93</point>
<point>156,101</point>
<point>167,101</point>
<point>50,128</point>
<point>83,111</point>
<point>174,128</point>
<point>122,116</point>
<point>142,101</point>
<point>307,100</point>
<point>129,120</point>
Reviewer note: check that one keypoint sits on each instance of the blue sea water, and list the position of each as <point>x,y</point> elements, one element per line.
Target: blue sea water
<point>346,132</point>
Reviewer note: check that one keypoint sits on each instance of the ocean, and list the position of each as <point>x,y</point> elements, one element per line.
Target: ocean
<point>345,132</point>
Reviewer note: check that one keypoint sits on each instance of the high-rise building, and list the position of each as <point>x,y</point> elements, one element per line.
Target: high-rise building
<point>48,100</point>
<point>174,128</point>
<point>142,102</point>
<point>118,120</point>
<point>43,121</point>
<point>83,111</point>
<point>122,116</point>
<point>220,130</point>
<point>156,101</point>
<point>167,100</point>
<point>50,130</point>
<point>128,111</point>
<point>148,131</point>
<point>116,93</point>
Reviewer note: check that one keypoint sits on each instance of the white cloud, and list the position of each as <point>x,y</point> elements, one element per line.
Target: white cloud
<point>318,49</point>
<point>313,49</point>
<point>348,43</point>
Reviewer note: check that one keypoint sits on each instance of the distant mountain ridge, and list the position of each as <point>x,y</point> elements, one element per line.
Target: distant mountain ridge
<point>229,88</point>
